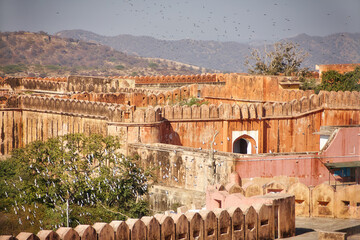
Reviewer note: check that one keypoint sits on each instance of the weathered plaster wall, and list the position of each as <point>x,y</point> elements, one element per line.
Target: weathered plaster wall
<point>10,130</point>
<point>181,167</point>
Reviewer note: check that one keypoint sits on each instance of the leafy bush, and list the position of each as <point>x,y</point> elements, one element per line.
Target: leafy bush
<point>335,81</point>
<point>153,65</point>
<point>85,175</point>
<point>308,84</point>
<point>119,67</point>
<point>11,69</point>
<point>192,101</point>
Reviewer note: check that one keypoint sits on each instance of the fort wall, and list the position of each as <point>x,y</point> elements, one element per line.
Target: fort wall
<point>97,84</point>
<point>279,125</point>
<point>171,79</point>
<point>241,222</point>
<point>321,200</point>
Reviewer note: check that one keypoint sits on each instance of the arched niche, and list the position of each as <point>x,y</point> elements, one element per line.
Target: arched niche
<point>245,145</point>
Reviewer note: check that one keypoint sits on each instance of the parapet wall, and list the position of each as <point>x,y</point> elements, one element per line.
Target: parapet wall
<point>107,111</point>
<point>189,126</point>
<point>256,88</point>
<point>322,200</point>
<point>115,112</point>
<point>45,84</point>
<point>245,222</point>
<point>97,84</point>
<point>190,79</point>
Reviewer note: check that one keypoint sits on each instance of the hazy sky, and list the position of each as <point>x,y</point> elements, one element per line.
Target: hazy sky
<point>224,20</point>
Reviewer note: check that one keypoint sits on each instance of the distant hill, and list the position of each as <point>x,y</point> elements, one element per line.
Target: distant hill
<point>40,53</point>
<point>225,56</point>
<point>333,49</point>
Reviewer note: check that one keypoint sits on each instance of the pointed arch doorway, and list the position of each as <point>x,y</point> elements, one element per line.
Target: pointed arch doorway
<point>245,145</point>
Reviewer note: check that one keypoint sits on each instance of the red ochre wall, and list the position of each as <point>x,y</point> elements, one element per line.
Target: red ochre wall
<point>308,168</point>
<point>276,134</point>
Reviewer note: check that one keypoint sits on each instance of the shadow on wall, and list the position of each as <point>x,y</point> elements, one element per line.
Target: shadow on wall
<point>169,135</point>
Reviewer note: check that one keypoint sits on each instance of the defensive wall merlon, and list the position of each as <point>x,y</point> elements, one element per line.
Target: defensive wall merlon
<point>112,84</point>
<point>203,78</point>
<point>125,113</point>
<point>244,222</point>
<point>322,200</point>
<point>100,84</point>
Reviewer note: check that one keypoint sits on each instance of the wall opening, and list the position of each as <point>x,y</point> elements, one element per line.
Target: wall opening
<point>242,146</point>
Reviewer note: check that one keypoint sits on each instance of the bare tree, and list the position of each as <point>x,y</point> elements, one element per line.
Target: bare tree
<point>284,58</point>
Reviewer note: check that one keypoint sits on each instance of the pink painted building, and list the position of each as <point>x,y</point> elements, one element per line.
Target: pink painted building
<point>338,160</point>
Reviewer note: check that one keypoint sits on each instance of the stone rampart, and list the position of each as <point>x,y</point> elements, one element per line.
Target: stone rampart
<point>190,79</point>
<point>97,84</point>
<point>240,88</point>
<point>107,111</point>
<point>190,126</point>
<point>46,84</point>
<point>294,108</point>
<point>233,223</point>
<point>342,100</point>
<point>322,200</point>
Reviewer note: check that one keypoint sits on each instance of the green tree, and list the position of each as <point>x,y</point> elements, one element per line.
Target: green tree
<point>285,58</point>
<point>153,65</point>
<point>71,178</point>
<point>335,81</point>
<point>119,67</point>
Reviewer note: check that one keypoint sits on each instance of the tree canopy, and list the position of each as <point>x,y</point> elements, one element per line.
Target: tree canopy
<point>335,81</point>
<point>86,172</point>
<point>284,58</point>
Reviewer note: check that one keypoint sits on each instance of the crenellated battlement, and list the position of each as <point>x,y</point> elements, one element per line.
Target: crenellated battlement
<point>171,79</point>
<point>243,222</point>
<point>124,113</point>
<point>52,79</point>
<point>114,106</point>
<point>108,111</point>
<point>47,84</point>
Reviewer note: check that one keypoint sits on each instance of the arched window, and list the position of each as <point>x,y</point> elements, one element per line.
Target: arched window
<point>241,146</point>
<point>245,145</point>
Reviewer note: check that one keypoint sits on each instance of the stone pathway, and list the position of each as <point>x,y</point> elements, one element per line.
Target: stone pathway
<point>306,227</point>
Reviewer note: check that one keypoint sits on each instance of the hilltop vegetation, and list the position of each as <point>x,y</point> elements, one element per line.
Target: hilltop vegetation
<point>24,53</point>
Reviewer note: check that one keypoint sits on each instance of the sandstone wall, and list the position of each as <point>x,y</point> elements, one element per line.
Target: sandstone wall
<point>247,88</point>
<point>182,168</point>
<point>204,78</point>
<point>206,224</point>
<point>97,84</point>
<point>280,127</point>
<point>322,200</point>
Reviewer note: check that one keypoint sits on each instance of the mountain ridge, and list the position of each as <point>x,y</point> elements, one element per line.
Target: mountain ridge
<point>225,56</point>
<point>67,55</point>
